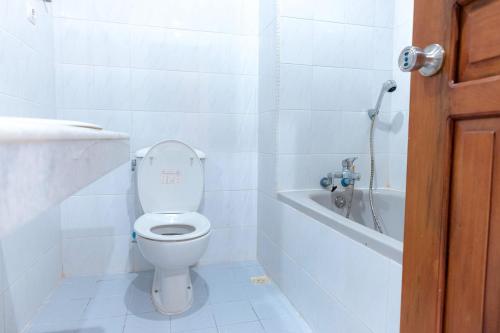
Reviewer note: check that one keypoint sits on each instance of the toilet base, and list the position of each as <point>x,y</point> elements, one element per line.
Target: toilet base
<point>172,291</point>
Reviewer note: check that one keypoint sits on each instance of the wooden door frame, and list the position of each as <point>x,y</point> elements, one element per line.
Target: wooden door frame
<point>428,176</point>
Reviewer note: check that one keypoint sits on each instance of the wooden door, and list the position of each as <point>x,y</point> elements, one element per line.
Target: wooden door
<point>451,264</point>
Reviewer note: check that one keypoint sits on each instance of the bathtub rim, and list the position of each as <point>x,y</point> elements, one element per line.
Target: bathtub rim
<point>383,244</point>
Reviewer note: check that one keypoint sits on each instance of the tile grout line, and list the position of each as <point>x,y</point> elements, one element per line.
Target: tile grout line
<point>259,320</point>
<point>142,25</point>
<point>125,322</point>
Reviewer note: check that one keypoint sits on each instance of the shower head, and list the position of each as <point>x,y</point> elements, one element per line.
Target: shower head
<point>389,86</point>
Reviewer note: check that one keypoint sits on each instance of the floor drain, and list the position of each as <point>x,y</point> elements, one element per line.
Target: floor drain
<point>263,279</point>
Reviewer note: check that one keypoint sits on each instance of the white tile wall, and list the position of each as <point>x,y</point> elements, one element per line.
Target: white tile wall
<point>26,62</point>
<point>329,10</point>
<point>328,36</point>
<point>295,82</point>
<point>270,92</point>
<point>97,215</point>
<point>182,70</point>
<point>332,57</point>
<point>295,8</point>
<point>96,255</point>
<point>30,257</point>
<point>30,269</point>
<point>296,41</point>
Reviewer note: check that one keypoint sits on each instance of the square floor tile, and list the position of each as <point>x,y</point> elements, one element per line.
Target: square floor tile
<point>114,287</point>
<point>75,288</point>
<point>253,327</point>
<point>195,318</point>
<point>233,313</point>
<point>108,325</point>
<point>153,322</point>
<point>80,280</point>
<point>285,325</point>
<point>139,301</point>
<point>61,311</point>
<point>200,290</point>
<point>105,325</point>
<point>51,328</point>
<point>245,273</point>
<point>262,291</point>
<point>104,307</point>
<point>223,293</point>
<point>143,281</point>
<point>204,330</point>
<point>272,308</point>
<point>244,263</point>
<point>216,274</point>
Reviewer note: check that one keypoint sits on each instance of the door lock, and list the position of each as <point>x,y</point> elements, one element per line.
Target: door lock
<point>427,61</point>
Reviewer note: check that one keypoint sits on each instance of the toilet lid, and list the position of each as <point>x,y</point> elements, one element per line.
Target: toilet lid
<point>170,179</point>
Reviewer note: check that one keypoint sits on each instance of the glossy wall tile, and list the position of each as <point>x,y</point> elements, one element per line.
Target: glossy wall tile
<point>30,256</point>
<point>160,70</point>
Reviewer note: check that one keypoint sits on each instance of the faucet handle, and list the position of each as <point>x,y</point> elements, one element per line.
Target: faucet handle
<point>348,162</point>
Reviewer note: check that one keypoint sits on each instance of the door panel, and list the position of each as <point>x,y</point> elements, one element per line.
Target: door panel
<point>469,227</point>
<point>479,41</point>
<point>475,98</point>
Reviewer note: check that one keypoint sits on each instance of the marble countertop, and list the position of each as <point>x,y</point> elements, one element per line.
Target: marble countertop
<point>34,129</point>
<point>45,161</point>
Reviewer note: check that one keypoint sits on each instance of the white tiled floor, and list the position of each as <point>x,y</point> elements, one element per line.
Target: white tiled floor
<point>225,302</point>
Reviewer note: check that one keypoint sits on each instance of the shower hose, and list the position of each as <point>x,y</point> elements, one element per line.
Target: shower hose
<point>376,221</point>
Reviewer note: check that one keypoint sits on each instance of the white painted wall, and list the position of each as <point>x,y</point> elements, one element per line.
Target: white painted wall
<point>322,64</point>
<point>30,256</point>
<point>159,70</point>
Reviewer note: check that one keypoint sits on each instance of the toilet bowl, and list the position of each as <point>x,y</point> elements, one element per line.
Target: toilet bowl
<point>171,235</point>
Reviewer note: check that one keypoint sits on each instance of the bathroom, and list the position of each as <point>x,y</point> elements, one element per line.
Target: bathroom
<point>235,166</point>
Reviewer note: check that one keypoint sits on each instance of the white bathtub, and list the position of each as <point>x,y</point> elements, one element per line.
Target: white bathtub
<point>389,204</point>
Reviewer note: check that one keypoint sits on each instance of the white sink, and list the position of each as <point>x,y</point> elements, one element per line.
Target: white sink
<point>44,161</point>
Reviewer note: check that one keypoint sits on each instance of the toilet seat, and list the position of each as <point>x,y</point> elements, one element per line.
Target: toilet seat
<point>172,227</point>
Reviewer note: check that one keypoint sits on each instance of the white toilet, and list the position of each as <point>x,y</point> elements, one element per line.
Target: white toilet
<point>171,235</point>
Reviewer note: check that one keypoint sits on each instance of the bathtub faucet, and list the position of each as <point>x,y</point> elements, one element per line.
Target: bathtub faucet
<point>327,182</point>
<point>348,176</point>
